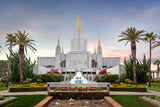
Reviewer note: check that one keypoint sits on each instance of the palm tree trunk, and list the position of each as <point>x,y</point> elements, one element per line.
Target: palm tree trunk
<point>21,51</point>
<point>158,69</point>
<point>150,54</point>
<point>9,63</point>
<point>133,50</point>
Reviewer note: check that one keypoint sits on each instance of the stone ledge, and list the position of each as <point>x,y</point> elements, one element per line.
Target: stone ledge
<point>44,102</point>
<point>7,101</point>
<point>112,102</point>
<point>149,101</point>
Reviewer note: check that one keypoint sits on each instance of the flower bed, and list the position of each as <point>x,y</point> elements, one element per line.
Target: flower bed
<point>128,87</point>
<point>78,92</point>
<point>78,89</point>
<point>28,87</point>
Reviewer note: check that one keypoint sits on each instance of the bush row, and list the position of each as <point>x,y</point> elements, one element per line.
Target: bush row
<point>128,89</point>
<point>24,89</point>
<point>107,78</point>
<point>48,78</point>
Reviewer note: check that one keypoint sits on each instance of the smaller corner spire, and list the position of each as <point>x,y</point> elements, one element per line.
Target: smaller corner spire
<point>79,24</point>
<point>58,43</point>
<point>99,42</point>
<point>62,50</point>
<point>95,50</point>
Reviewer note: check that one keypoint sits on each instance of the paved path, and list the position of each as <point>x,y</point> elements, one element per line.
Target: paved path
<point>134,93</point>
<point>111,93</point>
<point>23,93</point>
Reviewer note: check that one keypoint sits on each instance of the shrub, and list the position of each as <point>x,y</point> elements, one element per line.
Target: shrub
<point>157,81</point>
<point>103,71</point>
<point>107,78</point>
<point>25,89</point>
<point>29,80</point>
<point>4,79</point>
<point>52,77</point>
<point>134,89</point>
<point>122,77</point>
<point>39,81</point>
<point>117,81</point>
<point>1,84</point>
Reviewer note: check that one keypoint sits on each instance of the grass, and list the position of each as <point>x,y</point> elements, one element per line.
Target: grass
<point>154,88</point>
<point>3,88</point>
<point>151,88</point>
<point>6,88</point>
<point>130,101</point>
<point>26,100</point>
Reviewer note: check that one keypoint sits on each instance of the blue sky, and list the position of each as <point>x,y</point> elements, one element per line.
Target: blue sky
<point>104,19</point>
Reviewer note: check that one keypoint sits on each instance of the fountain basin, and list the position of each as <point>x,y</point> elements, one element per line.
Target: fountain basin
<point>78,94</point>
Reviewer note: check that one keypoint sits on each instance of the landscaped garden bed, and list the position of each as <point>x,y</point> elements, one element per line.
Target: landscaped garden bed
<point>28,87</point>
<point>128,87</point>
<point>78,92</point>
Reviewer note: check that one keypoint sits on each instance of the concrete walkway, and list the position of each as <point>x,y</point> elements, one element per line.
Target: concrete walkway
<point>111,93</point>
<point>23,93</point>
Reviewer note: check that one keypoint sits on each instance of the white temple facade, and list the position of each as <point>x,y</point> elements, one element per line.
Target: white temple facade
<point>78,59</point>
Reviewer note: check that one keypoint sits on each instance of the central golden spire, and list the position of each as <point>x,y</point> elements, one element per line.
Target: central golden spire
<point>79,24</point>
<point>99,43</point>
<point>58,43</point>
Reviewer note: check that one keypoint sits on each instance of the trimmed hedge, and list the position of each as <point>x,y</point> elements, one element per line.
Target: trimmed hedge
<point>51,78</point>
<point>128,89</point>
<point>107,78</point>
<point>26,89</point>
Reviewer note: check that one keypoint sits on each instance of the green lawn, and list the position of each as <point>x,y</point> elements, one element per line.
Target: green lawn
<point>3,88</point>
<point>130,101</point>
<point>154,88</point>
<point>26,100</point>
<point>6,88</point>
<point>151,88</point>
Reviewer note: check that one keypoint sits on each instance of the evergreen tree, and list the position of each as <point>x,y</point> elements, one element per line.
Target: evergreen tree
<point>27,68</point>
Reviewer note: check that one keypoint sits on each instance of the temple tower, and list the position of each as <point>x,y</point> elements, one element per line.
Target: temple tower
<point>78,42</point>
<point>58,55</point>
<point>99,54</point>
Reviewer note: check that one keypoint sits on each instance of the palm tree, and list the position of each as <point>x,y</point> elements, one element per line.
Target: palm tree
<point>157,62</point>
<point>156,43</point>
<point>11,39</point>
<point>24,40</point>
<point>132,35</point>
<point>150,37</point>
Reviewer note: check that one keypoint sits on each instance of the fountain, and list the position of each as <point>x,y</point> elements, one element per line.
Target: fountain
<point>78,79</point>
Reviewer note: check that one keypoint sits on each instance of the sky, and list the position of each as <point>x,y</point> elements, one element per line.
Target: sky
<point>47,20</point>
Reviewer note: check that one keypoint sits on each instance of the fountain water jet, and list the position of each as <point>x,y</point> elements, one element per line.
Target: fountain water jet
<point>78,79</point>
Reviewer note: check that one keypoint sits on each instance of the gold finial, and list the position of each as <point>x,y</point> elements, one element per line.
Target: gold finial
<point>99,43</point>
<point>58,43</point>
<point>62,50</point>
<point>79,23</point>
<point>94,50</point>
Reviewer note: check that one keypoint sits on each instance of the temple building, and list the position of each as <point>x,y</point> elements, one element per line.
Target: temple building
<point>78,58</point>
